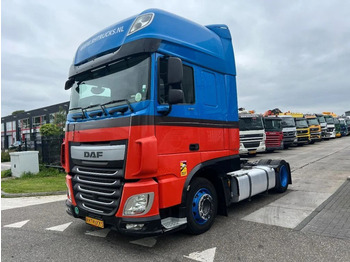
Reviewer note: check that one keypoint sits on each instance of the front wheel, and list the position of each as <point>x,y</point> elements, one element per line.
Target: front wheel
<point>201,206</point>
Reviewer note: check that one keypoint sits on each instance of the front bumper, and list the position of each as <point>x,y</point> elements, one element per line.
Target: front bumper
<point>152,225</point>
<point>303,139</point>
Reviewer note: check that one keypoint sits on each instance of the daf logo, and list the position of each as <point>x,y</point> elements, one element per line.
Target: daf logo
<point>93,154</point>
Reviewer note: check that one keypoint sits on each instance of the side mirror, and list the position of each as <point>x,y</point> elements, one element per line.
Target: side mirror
<point>69,84</point>
<point>176,96</point>
<point>175,70</point>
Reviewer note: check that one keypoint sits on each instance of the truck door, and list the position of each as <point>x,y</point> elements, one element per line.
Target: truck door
<point>177,132</point>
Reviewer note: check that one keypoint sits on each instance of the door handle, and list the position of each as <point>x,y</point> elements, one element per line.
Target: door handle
<point>194,147</point>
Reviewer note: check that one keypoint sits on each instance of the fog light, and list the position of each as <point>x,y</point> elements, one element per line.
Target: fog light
<point>137,205</point>
<point>134,226</point>
<point>76,210</point>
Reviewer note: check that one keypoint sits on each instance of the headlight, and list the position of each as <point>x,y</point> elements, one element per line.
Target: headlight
<point>141,22</point>
<point>137,205</point>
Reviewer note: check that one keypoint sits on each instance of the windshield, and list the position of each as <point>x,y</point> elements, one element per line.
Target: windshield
<point>329,120</point>
<point>321,119</point>
<point>273,125</point>
<point>336,121</point>
<point>313,121</point>
<point>250,123</point>
<point>288,122</point>
<point>124,81</point>
<point>301,123</point>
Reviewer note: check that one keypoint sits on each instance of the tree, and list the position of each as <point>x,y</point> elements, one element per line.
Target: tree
<point>60,118</point>
<point>17,112</point>
<point>51,130</point>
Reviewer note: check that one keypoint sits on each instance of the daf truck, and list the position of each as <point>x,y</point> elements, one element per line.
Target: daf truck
<point>152,135</point>
<point>251,133</point>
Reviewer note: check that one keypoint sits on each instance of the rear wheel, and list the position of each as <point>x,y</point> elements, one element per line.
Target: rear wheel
<point>282,175</point>
<point>201,206</point>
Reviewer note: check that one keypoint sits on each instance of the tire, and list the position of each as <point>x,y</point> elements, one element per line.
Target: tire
<point>282,176</point>
<point>201,206</point>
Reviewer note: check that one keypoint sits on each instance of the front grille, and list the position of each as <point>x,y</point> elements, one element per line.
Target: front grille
<point>252,136</point>
<point>314,129</point>
<point>302,131</point>
<point>97,190</point>
<point>330,129</point>
<point>289,134</point>
<point>251,144</point>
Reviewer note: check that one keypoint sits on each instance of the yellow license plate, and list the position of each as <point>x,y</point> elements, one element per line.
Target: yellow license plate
<point>252,152</point>
<point>94,222</point>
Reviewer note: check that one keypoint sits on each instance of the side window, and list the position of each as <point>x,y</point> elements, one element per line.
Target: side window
<point>187,84</point>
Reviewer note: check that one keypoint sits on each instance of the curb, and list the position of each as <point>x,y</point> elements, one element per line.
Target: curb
<point>10,195</point>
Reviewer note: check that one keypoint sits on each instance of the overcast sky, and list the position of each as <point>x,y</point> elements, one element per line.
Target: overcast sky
<point>294,55</point>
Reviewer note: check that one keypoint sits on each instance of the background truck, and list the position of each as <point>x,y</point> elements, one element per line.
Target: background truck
<point>288,127</point>
<point>343,127</point>
<point>152,138</point>
<point>273,132</point>
<point>323,124</point>
<point>251,133</point>
<point>315,128</point>
<point>302,127</point>
<point>347,120</point>
<point>337,127</point>
<point>330,124</point>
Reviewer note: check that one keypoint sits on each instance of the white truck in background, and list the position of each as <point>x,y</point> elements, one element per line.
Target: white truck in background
<point>251,132</point>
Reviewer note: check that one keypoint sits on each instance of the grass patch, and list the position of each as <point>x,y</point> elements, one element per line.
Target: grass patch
<point>5,157</point>
<point>6,173</point>
<point>47,180</point>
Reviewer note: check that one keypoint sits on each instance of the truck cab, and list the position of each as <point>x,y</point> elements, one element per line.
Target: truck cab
<point>337,127</point>
<point>251,133</point>
<point>289,130</point>
<point>315,128</point>
<point>274,133</point>
<point>347,120</point>
<point>330,124</point>
<point>343,127</point>
<point>323,124</point>
<point>302,127</point>
<point>152,134</point>
<point>303,131</point>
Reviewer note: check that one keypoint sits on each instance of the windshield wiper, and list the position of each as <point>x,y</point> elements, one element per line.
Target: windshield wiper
<point>95,114</point>
<point>82,112</point>
<point>120,100</point>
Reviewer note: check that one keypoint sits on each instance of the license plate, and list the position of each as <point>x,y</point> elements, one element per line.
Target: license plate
<point>253,152</point>
<point>94,222</point>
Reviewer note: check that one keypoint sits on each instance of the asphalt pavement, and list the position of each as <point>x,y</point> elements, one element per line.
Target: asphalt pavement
<point>294,226</point>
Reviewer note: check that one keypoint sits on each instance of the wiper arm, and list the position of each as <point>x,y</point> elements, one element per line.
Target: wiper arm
<point>82,112</point>
<point>102,107</point>
<point>120,100</point>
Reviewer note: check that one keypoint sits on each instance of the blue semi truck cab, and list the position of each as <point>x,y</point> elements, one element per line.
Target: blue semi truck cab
<point>152,137</point>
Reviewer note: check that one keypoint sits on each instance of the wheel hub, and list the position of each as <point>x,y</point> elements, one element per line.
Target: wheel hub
<point>202,206</point>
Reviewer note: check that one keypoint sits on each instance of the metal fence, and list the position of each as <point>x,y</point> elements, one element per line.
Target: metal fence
<point>49,149</point>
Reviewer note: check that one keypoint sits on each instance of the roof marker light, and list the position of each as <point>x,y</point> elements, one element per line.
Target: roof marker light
<point>141,22</point>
